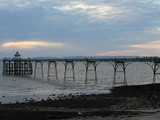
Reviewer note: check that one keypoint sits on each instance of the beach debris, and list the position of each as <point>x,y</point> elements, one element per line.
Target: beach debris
<point>79,113</point>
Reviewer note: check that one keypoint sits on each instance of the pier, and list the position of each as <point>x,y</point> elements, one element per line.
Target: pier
<point>17,66</point>
<point>23,67</point>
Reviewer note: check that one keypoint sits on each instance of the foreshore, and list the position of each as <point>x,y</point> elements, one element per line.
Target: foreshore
<point>122,101</point>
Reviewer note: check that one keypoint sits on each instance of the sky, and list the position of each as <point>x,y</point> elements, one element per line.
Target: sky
<point>79,28</point>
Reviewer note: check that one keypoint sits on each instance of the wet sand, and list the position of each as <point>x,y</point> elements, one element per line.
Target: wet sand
<point>122,102</point>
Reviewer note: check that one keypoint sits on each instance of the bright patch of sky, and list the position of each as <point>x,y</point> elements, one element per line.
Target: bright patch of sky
<point>79,27</point>
<point>30,44</point>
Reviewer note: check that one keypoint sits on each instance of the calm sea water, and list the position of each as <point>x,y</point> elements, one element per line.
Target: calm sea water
<point>18,89</point>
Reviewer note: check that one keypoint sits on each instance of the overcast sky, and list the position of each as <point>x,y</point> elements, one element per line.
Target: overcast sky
<point>79,28</point>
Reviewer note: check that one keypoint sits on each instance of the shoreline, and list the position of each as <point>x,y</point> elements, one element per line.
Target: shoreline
<point>125,100</point>
<point>22,98</point>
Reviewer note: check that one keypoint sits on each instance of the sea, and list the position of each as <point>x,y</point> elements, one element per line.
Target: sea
<point>19,89</point>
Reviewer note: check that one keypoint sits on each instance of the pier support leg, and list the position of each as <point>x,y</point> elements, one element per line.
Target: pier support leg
<point>154,76</point>
<point>86,77</point>
<point>89,65</point>
<point>4,67</point>
<point>42,69</point>
<point>30,68</point>
<point>38,70</point>
<point>35,69</point>
<point>65,71</point>
<point>52,69</point>
<point>156,67</point>
<point>95,70</point>
<point>73,72</point>
<point>114,76</point>
<point>69,66</point>
<point>9,67</point>
<point>119,69</point>
<point>48,75</point>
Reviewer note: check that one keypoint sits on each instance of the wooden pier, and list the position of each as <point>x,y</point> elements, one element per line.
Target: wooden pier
<point>19,66</point>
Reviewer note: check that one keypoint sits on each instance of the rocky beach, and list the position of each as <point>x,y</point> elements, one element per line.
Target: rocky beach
<point>122,102</point>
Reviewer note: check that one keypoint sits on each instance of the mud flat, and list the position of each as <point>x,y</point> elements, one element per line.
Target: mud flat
<point>122,102</point>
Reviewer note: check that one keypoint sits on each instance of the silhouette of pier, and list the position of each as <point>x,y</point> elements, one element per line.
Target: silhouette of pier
<point>19,66</point>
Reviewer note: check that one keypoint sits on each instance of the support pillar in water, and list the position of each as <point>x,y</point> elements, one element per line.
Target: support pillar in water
<point>52,70</point>
<point>91,66</point>
<point>156,67</point>
<point>69,66</point>
<point>119,73</point>
<point>38,69</point>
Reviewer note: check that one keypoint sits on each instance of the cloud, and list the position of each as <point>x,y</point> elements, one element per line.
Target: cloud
<point>18,3</point>
<point>91,10</point>
<point>94,26</point>
<point>96,11</point>
<point>154,31</point>
<point>157,2</point>
<point>132,52</point>
<point>148,49</point>
<point>151,45</point>
<point>31,44</point>
<point>120,53</point>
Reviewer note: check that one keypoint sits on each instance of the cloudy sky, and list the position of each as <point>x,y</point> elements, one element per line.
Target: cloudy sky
<point>79,27</point>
